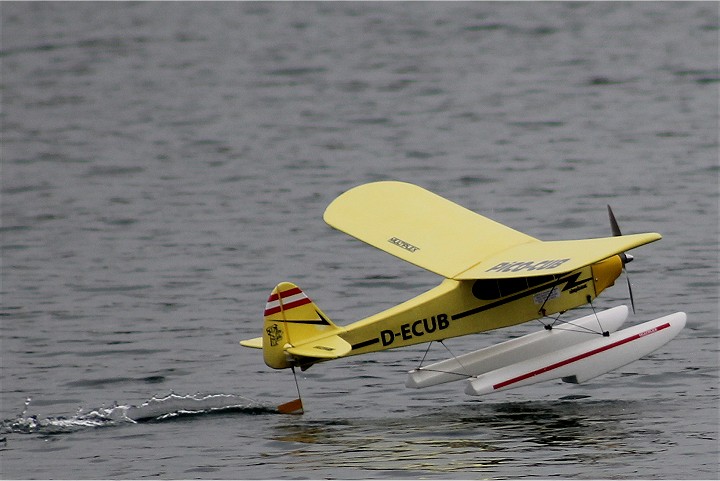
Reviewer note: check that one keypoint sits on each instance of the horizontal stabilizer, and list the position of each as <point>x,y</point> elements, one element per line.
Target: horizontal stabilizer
<point>255,343</point>
<point>330,347</point>
<point>326,348</point>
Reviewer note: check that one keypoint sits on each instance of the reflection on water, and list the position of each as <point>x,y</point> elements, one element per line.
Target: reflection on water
<point>466,438</point>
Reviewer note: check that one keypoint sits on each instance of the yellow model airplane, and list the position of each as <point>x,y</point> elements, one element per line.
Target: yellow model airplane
<point>494,277</point>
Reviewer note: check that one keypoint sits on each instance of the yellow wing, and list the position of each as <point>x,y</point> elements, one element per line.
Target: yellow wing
<point>554,257</point>
<point>420,227</point>
<point>436,234</point>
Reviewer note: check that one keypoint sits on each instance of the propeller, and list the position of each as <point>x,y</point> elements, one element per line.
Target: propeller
<point>624,257</point>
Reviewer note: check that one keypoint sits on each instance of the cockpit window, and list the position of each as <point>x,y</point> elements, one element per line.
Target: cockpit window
<point>490,289</point>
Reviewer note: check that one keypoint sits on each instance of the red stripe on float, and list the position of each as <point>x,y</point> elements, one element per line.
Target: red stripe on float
<point>580,357</point>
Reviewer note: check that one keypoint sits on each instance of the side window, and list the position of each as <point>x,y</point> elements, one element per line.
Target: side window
<point>486,289</point>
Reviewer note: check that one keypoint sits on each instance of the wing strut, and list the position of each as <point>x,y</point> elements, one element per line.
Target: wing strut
<point>465,374</point>
<point>569,325</point>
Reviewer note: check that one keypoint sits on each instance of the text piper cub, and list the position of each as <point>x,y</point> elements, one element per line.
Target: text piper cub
<point>493,277</point>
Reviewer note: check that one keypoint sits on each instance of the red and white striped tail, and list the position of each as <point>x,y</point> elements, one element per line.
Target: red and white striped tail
<point>291,320</point>
<point>285,300</point>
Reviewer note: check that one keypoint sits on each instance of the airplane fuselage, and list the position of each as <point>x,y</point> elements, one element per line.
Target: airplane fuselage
<point>457,308</point>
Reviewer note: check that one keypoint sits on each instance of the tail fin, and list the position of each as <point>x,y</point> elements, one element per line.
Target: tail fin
<point>295,327</point>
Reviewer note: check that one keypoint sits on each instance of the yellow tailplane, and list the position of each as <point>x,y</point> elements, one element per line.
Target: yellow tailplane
<point>295,326</point>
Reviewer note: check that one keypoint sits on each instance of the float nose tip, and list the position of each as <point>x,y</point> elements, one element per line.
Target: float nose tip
<point>628,259</point>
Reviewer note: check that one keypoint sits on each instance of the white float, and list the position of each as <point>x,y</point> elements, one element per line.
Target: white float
<point>525,348</point>
<point>584,361</point>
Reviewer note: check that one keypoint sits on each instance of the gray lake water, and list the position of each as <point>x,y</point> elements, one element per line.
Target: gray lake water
<point>165,165</point>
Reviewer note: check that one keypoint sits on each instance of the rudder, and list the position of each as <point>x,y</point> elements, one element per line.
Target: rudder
<point>293,322</point>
